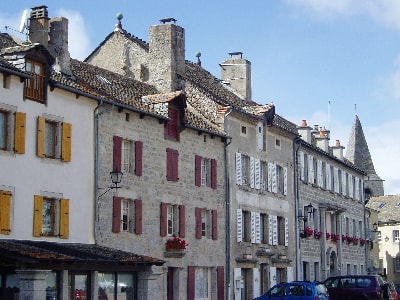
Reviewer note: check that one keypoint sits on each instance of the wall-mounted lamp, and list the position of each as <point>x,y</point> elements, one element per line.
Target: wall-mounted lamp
<point>375,227</point>
<point>309,210</point>
<point>386,239</point>
<point>116,177</point>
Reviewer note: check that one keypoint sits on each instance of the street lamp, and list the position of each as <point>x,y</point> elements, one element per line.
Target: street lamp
<point>116,177</point>
<point>309,209</point>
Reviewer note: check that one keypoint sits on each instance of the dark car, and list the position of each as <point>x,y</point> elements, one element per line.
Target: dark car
<point>357,287</point>
<point>296,290</point>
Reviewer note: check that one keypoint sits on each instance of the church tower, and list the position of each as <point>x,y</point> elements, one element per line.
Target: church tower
<point>358,153</point>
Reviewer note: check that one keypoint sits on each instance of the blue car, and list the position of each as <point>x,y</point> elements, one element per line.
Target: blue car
<point>296,290</point>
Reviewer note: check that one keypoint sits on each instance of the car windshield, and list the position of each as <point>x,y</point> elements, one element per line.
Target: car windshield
<point>278,291</point>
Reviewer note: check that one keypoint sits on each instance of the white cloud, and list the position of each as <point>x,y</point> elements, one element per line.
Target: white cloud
<point>383,12</point>
<point>78,38</point>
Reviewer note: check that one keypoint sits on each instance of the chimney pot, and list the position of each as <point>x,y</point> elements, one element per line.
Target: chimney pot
<point>303,123</point>
<point>337,143</point>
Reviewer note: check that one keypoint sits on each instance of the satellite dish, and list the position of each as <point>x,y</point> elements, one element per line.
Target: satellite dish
<point>22,25</point>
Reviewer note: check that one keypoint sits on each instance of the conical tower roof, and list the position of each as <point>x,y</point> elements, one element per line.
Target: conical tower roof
<point>358,153</point>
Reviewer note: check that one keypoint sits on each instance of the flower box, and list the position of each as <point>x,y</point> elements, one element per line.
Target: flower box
<point>175,244</point>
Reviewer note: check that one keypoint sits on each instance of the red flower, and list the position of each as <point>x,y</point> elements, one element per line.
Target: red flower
<point>328,235</point>
<point>176,243</point>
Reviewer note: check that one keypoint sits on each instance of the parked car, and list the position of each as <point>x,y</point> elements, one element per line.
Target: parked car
<point>354,287</point>
<point>296,290</point>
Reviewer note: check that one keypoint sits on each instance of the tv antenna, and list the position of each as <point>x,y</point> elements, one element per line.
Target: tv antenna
<point>23,24</point>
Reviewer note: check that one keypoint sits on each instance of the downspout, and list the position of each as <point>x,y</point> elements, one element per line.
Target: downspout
<point>296,147</point>
<point>97,114</point>
<point>227,211</point>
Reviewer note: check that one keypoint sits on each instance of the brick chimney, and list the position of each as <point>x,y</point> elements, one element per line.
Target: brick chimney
<point>167,55</point>
<point>305,131</point>
<point>322,139</point>
<point>53,35</point>
<point>236,72</point>
<point>337,150</point>
<point>39,25</point>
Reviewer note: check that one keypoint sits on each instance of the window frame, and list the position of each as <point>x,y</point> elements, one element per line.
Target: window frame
<point>35,87</point>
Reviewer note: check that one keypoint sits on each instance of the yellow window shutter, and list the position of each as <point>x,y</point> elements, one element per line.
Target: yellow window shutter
<point>66,142</point>
<point>37,215</point>
<point>5,209</point>
<point>64,218</point>
<point>19,135</point>
<point>41,137</point>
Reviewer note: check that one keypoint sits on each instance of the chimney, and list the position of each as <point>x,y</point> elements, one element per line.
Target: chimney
<point>322,140</point>
<point>305,131</point>
<point>58,45</point>
<point>337,150</point>
<point>236,71</point>
<point>39,25</point>
<point>167,55</point>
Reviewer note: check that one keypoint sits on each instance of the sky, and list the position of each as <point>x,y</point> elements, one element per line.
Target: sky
<point>322,61</point>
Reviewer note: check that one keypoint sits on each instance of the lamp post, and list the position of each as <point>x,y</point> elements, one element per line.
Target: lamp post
<point>309,210</point>
<point>116,177</point>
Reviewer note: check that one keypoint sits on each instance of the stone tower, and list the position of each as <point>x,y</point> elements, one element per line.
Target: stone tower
<point>236,72</point>
<point>166,55</point>
<point>358,153</point>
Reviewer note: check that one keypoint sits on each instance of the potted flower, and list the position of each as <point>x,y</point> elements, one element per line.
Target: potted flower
<point>335,237</point>
<point>362,242</point>
<point>328,235</point>
<point>317,234</point>
<point>175,244</point>
<point>308,231</point>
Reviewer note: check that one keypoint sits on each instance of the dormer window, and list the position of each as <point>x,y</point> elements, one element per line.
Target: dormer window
<point>35,87</point>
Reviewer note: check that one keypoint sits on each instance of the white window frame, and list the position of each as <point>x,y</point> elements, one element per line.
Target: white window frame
<point>51,223</point>
<point>396,236</point>
<point>127,215</point>
<point>202,283</point>
<point>127,154</point>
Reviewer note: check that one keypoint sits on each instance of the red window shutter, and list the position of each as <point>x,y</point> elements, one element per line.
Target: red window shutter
<point>197,212</point>
<point>220,283</point>
<point>171,127</point>
<point>182,221</point>
<point>197,170</point>
<point>138,216</point>
<point>163,219</point>
<point>116,223</point>
<point>214,217</point>
<point>172,164</point>
<point>138,157</point>
<point>117,149</point>
<point>191,282</point>
<point>214,173</point>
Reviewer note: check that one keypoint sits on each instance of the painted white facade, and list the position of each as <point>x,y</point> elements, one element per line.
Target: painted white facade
<point>26,175</point>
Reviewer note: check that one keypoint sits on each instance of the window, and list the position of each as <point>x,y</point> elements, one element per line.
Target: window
<point>203,284</point>
<point>246,226</point>
<point>12,130</point>
<point>117,285</point>
<point>206,223</point>
<point>5,212</point>
<point>282,232</point>
<point>172,165</point>
<point>205,172</point>
<point>243,130</point>
<point>35,87</point>
<point>397,264</point>
<point>49,132</point>
<point>379,236</point>
<point>278,143</point>
<point>51,217</point>
<point>172,126</point>
<point>305,168</point>
<point>127,215</point>
<point>264,228</point>
<point>127,155</point>
<point>242,169</point>
<point>396,236</point>
<point>264,176</point>
<point>172,220</point>
<point>281,179</point>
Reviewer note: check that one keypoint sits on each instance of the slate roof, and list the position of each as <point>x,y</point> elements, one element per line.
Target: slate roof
<point>388,208</point>
<point>42,253</point>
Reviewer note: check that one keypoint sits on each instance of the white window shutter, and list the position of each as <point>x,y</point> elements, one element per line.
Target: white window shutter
<point>336,179</point>
<point>274,179</point>
<point>319,173</point>
<point>270,229</point>
<point>289,274</point>
<point>301,165</point>
<point>256,282</point>
<point>260,136</point>
<point>252,172</point>
<point>272,276</point>
<point>258,228</point>
<point>310,169</point>
<point>270,177</point>
<point>328,177</point>
<point>239,225</point>
<point>344,183</point>
<point>239,168</point>
<point>274,230</point>
<point>257,174</point>
<point>351,186</point>
<point>286,232</point>
<point>253,226</point>
<point>285,179</point>
<point>357,188</point>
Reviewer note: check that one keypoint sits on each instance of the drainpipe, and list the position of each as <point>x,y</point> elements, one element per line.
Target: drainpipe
<point>227,211</point>
<point>97,114</point>
<point>296,147</point>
